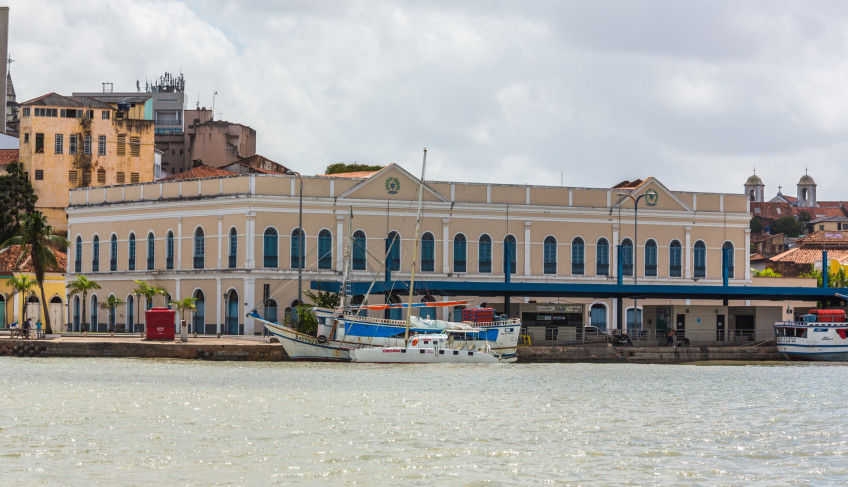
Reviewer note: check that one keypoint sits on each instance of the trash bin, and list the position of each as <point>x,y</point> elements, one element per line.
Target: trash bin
<point>160,323</point>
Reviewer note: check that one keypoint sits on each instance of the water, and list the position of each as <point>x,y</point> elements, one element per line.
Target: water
<point>148,422</point>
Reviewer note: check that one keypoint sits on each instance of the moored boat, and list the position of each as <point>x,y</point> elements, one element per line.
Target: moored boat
<point>425,349</point>
<point>822,334</point>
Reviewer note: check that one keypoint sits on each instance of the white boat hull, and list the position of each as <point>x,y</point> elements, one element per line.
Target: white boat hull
<point>400,355</point>
<point>813,341</point>
<point>302,347</point>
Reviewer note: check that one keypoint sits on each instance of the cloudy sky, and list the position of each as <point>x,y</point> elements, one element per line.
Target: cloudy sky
<point>579,93</point>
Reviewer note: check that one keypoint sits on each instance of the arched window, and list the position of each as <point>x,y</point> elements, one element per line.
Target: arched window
<point>113,253</point>
<point>752,195</point>
<point>95,254</point>
<point>151,251</point>
<point>484,254</point>
<point>626,257</point>
<point>78,255</point>
<point>428,312</point>
<point>231,261</point>
<point>602,257</point>
<point>199,249</point>
<point>169,250</point>
<point>509,253</point>
<point>700,259</point>
<point>297,248</point>
<point>598,317</point>
<point>727,258</point>
<point>459,248</point>
<point>270,253</point>
<point>650,258</point>
<point>393,313</point>
<point>674,259</point>
<point>393,251</point>
<point>325,249</point>
<point>578,257</point>
<point>77,314</point>
<point>198,320</point>
<point>131,252</point>
<point>359,250</point>
<point>549,255</point>
<point>231,313</point>
<point>428,252</point>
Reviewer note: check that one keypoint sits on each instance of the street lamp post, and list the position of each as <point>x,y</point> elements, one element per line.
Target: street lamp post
<point>301,235</point>
<point>650,200</point>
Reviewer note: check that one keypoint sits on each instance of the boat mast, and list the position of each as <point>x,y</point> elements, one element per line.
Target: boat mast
<point>343,294</point>
<point>415,252</point>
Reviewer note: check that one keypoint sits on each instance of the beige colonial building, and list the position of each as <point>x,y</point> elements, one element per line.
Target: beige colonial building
<point>233,243</point>
<point>76,142</point>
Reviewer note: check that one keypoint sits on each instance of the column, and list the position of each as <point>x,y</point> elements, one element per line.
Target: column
<point>340,242</point>
<point>687,251</point>
<point>613,271</point>
<point>218,299</point>
<point>445,247</point>
<point>179,243</point>
<point>747,254</point>
<point>249,303</point>
<point>249,243</point>
<point>177,296</point>
<point>220,239</point>
<point>527,248</point>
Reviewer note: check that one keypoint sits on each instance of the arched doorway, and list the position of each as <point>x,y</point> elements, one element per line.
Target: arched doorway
<point>55,311</point>
<point>93,325</point>
<point>428,312</point>
<point>199,318</point>
<point>77,313</point>
<point>33,310</point>
<point>598,316</point>
<point>130,313</point>
<point>3,310</point>
<point>232,314</point>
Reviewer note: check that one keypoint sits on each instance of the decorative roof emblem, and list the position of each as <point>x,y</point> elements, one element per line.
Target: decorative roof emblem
<point>392,185</point>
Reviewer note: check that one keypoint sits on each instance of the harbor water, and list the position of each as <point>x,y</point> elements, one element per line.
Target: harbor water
<point>167,422</point>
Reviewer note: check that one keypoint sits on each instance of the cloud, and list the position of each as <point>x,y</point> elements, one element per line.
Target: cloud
<point>694,93</point>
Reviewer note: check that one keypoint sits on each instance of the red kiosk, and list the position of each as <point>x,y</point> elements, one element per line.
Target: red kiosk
<point>160,323</point>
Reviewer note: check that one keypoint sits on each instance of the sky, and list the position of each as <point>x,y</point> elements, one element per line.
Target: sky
<point>575,93</point>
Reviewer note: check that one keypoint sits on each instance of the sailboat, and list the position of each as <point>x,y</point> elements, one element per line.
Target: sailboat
<point>347,328</point>
<point>425,349</point>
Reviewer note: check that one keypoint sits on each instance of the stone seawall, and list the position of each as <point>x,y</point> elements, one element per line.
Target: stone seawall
<point>203,349</point>
<point>645,355</point>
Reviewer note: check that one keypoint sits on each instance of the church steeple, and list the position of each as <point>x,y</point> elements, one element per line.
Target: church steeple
<point>806,191</point>
<point>754,188</point>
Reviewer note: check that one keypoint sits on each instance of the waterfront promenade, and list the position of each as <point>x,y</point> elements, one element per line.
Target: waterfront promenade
<point>259,349</point>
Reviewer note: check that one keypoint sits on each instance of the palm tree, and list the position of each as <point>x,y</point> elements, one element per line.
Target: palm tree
<point>82,285</point>
<point>148,291</point>
<point>38,243</point>
<point>184,304</point>
<point>23,285</point>
<point>111,303</point>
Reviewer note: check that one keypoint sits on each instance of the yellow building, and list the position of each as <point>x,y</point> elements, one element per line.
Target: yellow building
<point>16,307</point>
<point>78,142</point>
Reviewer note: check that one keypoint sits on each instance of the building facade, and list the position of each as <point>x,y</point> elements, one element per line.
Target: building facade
<point>79,142</point>
<point>234,244</point>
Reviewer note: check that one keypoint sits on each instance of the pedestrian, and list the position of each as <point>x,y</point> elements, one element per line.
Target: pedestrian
<point>669,337</point>
<point>26,328</point>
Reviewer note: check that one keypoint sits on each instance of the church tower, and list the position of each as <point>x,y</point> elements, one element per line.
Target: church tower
<point>754,188</point>
<point>806,191</point>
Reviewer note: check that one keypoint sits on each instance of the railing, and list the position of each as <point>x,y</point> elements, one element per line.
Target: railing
<point>650,338</point>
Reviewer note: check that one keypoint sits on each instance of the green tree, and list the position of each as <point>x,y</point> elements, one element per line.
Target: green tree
<point>82,285</point>
<point>22,285</point>
<point>111,303</point>
<point>184,304</point>
<point>788,226</point>
<point>307,322</point>
<point>39,244</point>
<point>341,167</point>
<point>17,198</point>
<point>322,299</point>
<point>149,291</point>
<point>766,273</point>
<point>757,225</point>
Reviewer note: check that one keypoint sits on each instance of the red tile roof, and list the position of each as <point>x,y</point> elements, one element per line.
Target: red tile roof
<point>810,256</point>
<point>824,238</point>
<point>199,172</point>
<point>10,255</point>
<point>771,211</point>
<point>7,156</point>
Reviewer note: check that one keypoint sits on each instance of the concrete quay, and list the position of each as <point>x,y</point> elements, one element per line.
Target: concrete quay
<point>258,349</point>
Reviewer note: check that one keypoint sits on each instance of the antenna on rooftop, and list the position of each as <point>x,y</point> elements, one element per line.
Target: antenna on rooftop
<point>9,62</point>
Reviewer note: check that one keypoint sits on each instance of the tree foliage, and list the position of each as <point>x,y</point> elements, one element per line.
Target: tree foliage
<point>307,322</point>
<point>22,285</point>
<point>38,244</point>
<point>184,304</point>
<point>322,299</point>
<point>835,277</point>
<point>149,291</point>
<point>111,303</point>
<point>757,225</point>
<point>341,167</point>
<point>766,273</point>
<point>788,226</point>
<point>82,285</point>
<point>17,198</point>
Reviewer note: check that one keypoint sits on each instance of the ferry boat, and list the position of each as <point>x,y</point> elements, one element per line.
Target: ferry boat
<point>822,334</point>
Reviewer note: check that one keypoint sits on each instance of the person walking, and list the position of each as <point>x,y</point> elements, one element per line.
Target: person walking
<point>669,338</point>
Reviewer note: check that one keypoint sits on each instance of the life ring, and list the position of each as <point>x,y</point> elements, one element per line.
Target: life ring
<point>415,341</point>
<point>322,338</point>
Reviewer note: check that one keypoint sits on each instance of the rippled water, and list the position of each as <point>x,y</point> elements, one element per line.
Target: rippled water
<point>144,422</point>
